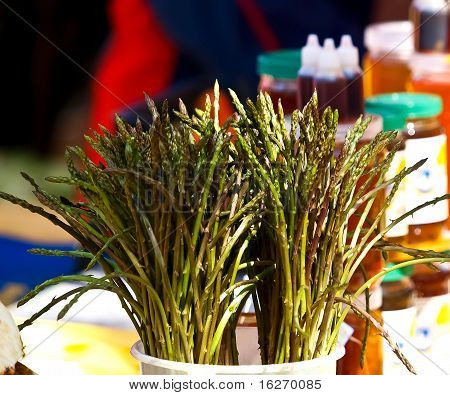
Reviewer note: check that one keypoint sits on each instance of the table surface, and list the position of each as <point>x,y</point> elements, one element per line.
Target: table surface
<point>22,224</point>
<point>73,348</point>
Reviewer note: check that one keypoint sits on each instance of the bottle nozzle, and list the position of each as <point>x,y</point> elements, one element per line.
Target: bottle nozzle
<point>329,59</point>
<point>346,41</point>
<point>348,53</point>
<point>328,44</point>
<point>312,40</point>
<point>310,52</point>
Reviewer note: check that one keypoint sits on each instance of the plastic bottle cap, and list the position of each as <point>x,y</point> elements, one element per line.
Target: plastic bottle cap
<point>399,274</point>
<point>395,275</point>
<point>329,58</point>
<point>395,38</point>
<point>397,108</point>
<point>280,64</point>
<point>310,52</point>
<point>348,53</point>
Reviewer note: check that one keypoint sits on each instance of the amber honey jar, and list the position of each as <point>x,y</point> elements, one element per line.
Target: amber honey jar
<point>433,299</point>
<point>372,361</point>
<point>399,316</point>
<point>386,63</point>
<point>417,118</point>
<point>398,206</point>
<point>278,77</point>
<point>373,262</point>
<point>430,73</point>
<point>371,265</point>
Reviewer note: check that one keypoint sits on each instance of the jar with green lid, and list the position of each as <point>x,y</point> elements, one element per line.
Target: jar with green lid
<point>416,116</point>
<point>278,77</point>
<point>398,291</point>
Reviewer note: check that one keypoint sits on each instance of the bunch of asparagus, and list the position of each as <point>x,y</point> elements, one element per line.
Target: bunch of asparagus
<point>167,219</point>
<point>176,212</point>
<point>313,191</point>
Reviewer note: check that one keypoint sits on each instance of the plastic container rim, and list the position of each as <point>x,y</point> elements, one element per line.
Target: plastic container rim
<point>137,352</point>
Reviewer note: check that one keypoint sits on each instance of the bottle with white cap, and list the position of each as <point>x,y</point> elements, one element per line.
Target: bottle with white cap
<point>329,80</point>
<point>309,62</point>
<point>349,58</point>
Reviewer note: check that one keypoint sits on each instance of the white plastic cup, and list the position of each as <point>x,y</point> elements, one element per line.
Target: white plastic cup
<point>154,366</point>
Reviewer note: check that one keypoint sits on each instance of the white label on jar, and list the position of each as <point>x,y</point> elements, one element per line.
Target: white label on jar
<point>345,332</point>
<point>432,312</point>
<point>398,205</point>
<point>429,181</point>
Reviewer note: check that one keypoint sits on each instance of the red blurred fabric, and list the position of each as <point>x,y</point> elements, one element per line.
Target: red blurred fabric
<point>139,57</point>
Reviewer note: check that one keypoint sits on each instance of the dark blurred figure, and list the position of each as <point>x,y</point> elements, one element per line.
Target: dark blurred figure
<point>37,81</point>
<point>168,48</point>
<point>177,48</point>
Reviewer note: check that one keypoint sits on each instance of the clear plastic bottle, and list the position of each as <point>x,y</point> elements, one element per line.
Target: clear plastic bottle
<point>386,63</point>
<point>330,81</point>
<point>349,57</point>
<point>309,60</point>
<point>431,20</point>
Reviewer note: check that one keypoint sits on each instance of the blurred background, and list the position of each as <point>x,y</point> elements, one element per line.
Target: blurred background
<point>68,66</point>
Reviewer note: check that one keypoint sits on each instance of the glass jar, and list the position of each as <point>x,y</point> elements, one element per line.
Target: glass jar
<point>433,303</point>
<point>425,136</point>
<point>431,25</point>
<point>398,207</point>
<point>399,233</point>
<point>373,262</point>
<point>417,116</point>
<point>399,317</point>
<point>430,282</point>
<point>386,63</point>
<point>431,74</point>
<point>278,77</point>
<point>372,364</point>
